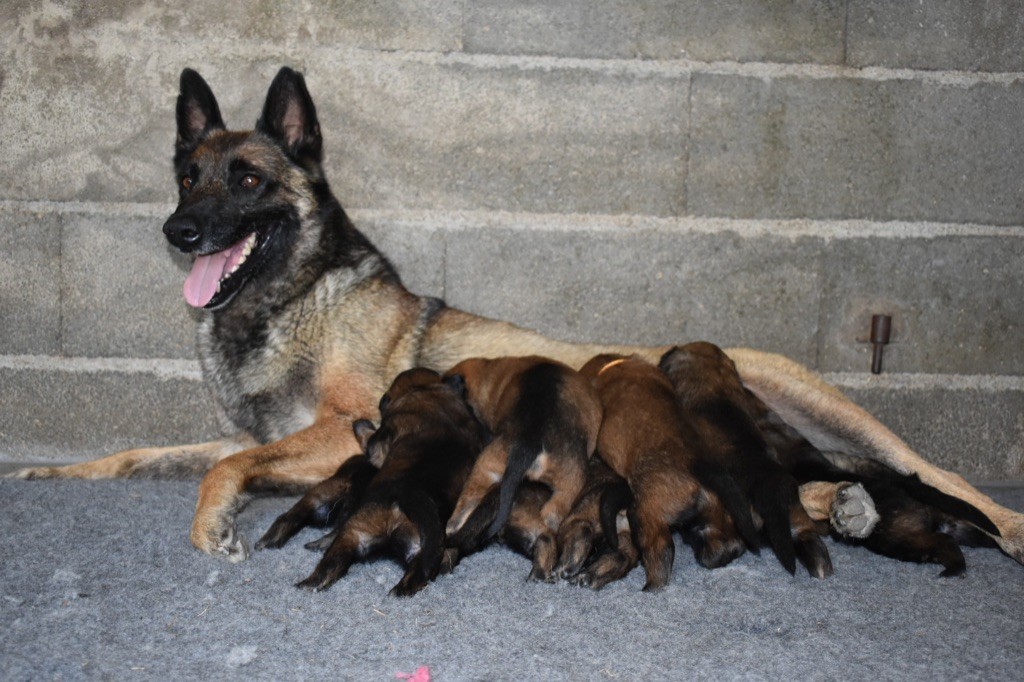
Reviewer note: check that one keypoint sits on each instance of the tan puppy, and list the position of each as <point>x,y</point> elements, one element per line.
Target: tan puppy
<point>545,418</point>
<point>645,439</point>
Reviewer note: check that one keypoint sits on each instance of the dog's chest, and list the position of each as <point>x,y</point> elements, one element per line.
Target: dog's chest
<point>263,372</point>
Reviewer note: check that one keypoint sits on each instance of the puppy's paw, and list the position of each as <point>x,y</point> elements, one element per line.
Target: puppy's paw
<point>539,574</point>
<point>853,513</point>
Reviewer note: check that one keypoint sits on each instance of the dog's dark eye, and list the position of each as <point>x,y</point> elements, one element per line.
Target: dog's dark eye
<point>186,183</point>
<point>251,181</point>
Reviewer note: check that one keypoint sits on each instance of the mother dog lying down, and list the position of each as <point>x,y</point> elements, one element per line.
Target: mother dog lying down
<point>306,323</point>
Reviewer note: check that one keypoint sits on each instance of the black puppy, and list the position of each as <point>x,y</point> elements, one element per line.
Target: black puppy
<point>426,446</point>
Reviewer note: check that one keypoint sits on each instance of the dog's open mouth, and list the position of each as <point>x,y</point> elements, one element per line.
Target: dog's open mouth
<point>217,276</point>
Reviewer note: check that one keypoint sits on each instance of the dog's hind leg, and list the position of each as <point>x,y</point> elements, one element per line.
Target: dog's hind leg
<point>176,461</point>
<point>833,423</point>
<point>301,459</point>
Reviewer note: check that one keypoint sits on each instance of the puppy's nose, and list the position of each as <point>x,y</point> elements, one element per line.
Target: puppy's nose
<point>182,232</point>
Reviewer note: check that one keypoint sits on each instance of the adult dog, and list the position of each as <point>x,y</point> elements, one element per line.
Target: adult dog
<point>306,323</point>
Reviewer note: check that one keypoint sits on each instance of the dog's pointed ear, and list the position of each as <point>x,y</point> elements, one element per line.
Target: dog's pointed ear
<point>290,118</point>
<point>197,112</point>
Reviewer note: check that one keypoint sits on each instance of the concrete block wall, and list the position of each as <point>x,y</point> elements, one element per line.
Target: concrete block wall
<point>754,173</point>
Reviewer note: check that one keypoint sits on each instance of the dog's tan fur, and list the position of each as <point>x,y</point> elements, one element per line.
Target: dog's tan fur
<point>354,328</point>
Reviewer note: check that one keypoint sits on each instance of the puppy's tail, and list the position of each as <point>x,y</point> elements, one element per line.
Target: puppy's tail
<point>520,458</point>
<point>423,513</point>
<point>772,496</point>
<point>735,502</point>
<point>615,497</point>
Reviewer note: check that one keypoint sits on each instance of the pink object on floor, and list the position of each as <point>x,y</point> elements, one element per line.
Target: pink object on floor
<point>422,674</point>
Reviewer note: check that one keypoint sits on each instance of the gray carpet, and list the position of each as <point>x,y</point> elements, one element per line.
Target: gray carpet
<point>99,581</point>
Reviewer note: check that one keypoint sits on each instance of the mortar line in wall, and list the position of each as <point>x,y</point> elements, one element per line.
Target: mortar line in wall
<point>164,368</point>
<point>176,368</point>
<point>61,285</point>
<point>824,283</point>
<point>846,33</point>
<point>678,67</point>
<point>925,381</point>
<point>689,141</point>
<point>851,228</point>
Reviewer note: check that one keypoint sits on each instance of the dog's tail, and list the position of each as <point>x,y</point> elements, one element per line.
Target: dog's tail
<point>735,502</point>
<point>520,457</point>
<point>772,495</point>
<point>615,497</point>
<point>423,513</point>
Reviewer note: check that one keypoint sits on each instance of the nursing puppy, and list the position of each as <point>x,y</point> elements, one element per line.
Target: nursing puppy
<point>594,541</point>
<point>715,403</point>
<point>645,439</point>
<point>545,418</point>
<point>915,522</point>
<point>426,445</point>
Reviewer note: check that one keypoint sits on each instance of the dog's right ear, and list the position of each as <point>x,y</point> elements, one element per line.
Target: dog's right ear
<point>197,112</point>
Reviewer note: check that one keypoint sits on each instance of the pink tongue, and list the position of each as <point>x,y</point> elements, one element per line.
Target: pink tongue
<point>207,272</point>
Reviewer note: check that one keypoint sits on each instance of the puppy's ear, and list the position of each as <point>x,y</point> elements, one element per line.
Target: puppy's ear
<point>457,383</point>
<point>197,112</point>
<point>363,429</point>
<point>289,117</point>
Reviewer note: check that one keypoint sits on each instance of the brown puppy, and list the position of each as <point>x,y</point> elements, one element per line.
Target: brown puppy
<point>545,418</point>
<point>594,541</point>
<point>715,403</point>
<point>426,445</point>
<point>645,439</point>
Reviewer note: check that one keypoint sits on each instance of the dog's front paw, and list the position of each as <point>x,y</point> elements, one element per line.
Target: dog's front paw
<point>853,513</point>
<point>220,539</point>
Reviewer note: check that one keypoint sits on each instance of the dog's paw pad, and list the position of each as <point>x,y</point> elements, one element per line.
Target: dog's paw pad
<point>853,513</point>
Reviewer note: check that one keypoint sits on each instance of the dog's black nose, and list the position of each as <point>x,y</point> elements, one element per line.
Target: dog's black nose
<point>182,232</point>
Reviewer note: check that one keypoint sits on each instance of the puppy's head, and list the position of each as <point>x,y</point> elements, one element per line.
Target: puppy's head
<point>700,367</point>
<point>407,381</point>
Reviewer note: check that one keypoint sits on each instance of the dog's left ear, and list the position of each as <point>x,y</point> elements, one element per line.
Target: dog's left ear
<point>290,118</point>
